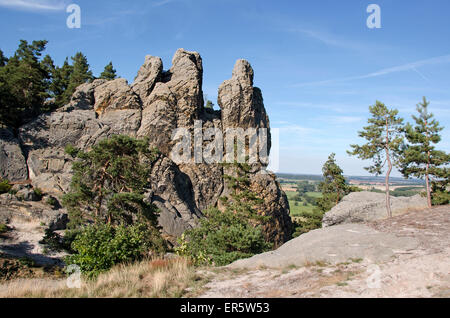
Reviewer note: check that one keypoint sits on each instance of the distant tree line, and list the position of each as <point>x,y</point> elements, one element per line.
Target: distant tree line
<point>31,84</point>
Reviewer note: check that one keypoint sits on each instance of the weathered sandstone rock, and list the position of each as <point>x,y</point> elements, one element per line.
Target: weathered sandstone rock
<point>12,162</point>
<point>153,106</point>
<point>369,206</point>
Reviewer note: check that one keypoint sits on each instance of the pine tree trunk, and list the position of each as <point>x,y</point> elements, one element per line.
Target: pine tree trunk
<point>388,194</point>
<point>388,159</point>
<point>427,174</point>
<point>427,179</point>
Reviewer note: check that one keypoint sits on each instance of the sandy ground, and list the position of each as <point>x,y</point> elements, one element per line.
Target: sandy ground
<point>23,241</point>
<point>420,272</point>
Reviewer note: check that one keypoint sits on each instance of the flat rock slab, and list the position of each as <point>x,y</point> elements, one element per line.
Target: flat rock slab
<point>333,245</point>
<point>360,207</point>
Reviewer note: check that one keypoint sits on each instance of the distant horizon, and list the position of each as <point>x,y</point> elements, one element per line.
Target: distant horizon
<point>381,177</point>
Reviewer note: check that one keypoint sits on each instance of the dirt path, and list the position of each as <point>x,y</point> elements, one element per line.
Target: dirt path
<point>422,271</point>
<point>23,242</point>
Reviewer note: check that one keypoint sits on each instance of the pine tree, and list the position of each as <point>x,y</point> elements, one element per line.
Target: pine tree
<point>384,136</point>
<point>109,73</point>
<point>48,66</point>
<point>24,84</point>
<point>109,182</point>
<point>3,59</point>
<point>420,157</point>
<point>333,186</point>
<point>439,186</point>
<point>80,74</point>
<point>60,83</point>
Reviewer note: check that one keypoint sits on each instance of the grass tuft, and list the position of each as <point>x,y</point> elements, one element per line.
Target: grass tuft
<point>146,279</point>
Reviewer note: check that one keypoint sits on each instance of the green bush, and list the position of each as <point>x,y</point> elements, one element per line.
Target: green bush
<point>100,247</point>
<point>5,187</point>
<point>222,238</point>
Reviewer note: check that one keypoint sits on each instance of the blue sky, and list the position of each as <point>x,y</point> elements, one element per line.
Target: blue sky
<point>317,63</point>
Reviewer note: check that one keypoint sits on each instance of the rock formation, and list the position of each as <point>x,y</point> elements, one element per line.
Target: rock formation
<point>369,206</point>
<point>332,245</point>
<point>12,162</point>
<point>153,106</point>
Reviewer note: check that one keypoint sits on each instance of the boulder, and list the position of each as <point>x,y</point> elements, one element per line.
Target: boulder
<point>369,206</point>
<point>83,97</point>
<point>172,193</point>
<point>115,95</point>
<point>28,194</point>
<point>279,228</point>
<point>12,161</point>
<point>11,208</point>
<point>333,245</point>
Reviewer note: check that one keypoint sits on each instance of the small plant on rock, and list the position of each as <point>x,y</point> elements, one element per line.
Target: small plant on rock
<point>5,186</point>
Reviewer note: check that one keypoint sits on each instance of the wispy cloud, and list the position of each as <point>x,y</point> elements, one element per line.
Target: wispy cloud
<point>34,5</point>
<point>329,39</point>
<point>401,68</point>
<point>161,3</point>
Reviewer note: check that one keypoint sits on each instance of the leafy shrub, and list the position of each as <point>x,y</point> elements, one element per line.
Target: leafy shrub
<point>222,238</point>
<point>5,187</point>
<point>99,247</point>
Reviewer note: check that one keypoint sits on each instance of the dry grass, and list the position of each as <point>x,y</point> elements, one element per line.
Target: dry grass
<point>149,279</point>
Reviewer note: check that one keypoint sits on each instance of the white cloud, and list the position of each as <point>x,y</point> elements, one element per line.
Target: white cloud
<point>386,71</point>
<point>34,5</point>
